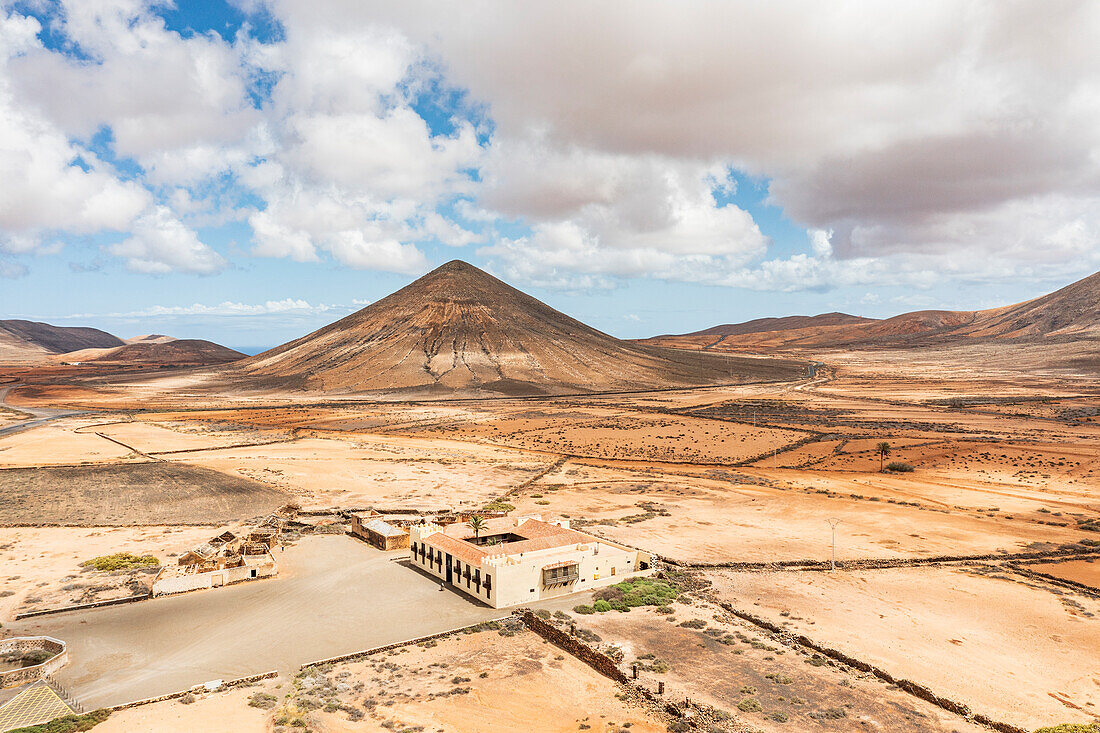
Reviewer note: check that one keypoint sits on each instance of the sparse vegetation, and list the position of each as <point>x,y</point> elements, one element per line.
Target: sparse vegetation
<point>634,593</point>
<point>68,723</point>
<point>120,561</point>
<point>899,467</point>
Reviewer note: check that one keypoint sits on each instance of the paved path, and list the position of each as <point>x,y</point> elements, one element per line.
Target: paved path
<point>41,415</point>
<point>335,595</point>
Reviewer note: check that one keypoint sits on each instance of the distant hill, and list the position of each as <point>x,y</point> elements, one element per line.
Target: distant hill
<point>782,324</point>
<point>160,350</point>
<point>30,341</point>
<point>1072,312</point>
<point>460,329</point>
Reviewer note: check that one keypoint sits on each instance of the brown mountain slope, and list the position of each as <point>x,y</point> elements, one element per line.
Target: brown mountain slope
<point>173,352</point>
<point>1072,312</point>
<point>31,341</point>
<point>783,324</point>
<point>460,329</point>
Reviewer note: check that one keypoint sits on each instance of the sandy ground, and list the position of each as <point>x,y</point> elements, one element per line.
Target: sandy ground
<point>411,689</point>
<point>227,710</point>
<point>1018,651</point>
<point>39,562</point>
<point>682,473</point>
<point>150,492</point>
<point>729,661</point>
<point>388,471</point>
<point>57,443</point>
<point>323,603</point>
<point>1079,571</point>
<point>513,684</point>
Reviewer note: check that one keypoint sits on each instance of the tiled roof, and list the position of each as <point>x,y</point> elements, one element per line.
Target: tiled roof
<point>536,536</point>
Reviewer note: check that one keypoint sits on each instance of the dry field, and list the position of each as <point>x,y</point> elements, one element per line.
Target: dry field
<point>151,492</point>
<point>729,664</point>
<point>1002,462</point>
<point>40,566</point>
<point>1019,650</point>
<point>483,682</point>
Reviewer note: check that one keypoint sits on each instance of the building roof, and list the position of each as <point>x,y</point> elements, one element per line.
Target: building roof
<point>534,534</point>
<point>384,528</point>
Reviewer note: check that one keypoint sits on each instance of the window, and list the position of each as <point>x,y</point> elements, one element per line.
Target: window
<point>612,571</point>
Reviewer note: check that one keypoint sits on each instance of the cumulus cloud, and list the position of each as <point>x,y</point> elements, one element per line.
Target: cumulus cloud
<point>160,243</point>
<point>591,141</point>
<point>922,133</point>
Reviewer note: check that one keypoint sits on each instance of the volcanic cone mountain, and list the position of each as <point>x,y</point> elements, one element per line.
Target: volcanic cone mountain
<point>461,329</point>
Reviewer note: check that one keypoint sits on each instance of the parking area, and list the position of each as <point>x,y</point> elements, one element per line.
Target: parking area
<point>334,595</point>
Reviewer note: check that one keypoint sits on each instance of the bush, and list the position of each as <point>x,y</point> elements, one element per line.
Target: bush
<point>498,506</point>
<point>68,723</point>
<point>899,467</point>
<point>1072,728</point>
<point>582,609</point>
<point>749,705</point>
<point>601,606</point>
<point>637,592</point>
<point>262,700</point>
<point>120,561</point>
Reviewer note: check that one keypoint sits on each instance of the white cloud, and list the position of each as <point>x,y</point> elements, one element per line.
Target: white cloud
<point>227,309</point>
<point>907,138</point>
<point>160,243</point>
<point>907,128</point>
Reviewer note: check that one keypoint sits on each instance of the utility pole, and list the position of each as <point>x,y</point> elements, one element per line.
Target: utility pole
<point>833,522</point>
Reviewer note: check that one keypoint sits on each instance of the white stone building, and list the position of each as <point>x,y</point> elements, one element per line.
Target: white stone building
<point>515,560</point>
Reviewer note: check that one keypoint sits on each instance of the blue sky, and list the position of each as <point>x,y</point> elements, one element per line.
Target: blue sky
<point>247,172</point>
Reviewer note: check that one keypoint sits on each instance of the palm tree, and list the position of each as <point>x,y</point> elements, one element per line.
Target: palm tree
<point>477,523</point>
<point>883,450</point>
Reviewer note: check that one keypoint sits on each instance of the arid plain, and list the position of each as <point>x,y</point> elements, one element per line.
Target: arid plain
<point>899,534</point>
<point>732,484</point>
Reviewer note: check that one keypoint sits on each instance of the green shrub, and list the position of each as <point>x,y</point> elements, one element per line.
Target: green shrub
<point>1072,728</point>
<point>121,561</point>
<point>601,606</point>
<point>582,609</point>
<point>498,506</point>
<point>68,723</point>
<point>749,705</point>
<point>262,700</point>
<point>899,467</point>
<point>637,592</point>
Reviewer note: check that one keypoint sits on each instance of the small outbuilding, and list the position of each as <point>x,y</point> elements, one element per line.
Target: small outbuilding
<point>379,533</point>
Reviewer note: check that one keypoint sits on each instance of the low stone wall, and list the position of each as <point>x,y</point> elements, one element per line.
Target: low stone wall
<point>84,606</point>
<point>606,666</point>
<point>1054,579</point>
<point>24,644</point>
<point>886,563</point>
<point>398,644</point>
<point>197,688</point>
<point>916,690</point>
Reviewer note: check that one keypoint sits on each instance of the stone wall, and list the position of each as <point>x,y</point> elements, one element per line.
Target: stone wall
<point>387,647</point>
<point>84,606</point>
<point>915,689</point>
<point>885,563</point>
<point>197,688</point>
<point>24,644</point>
<point>607,666</point>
